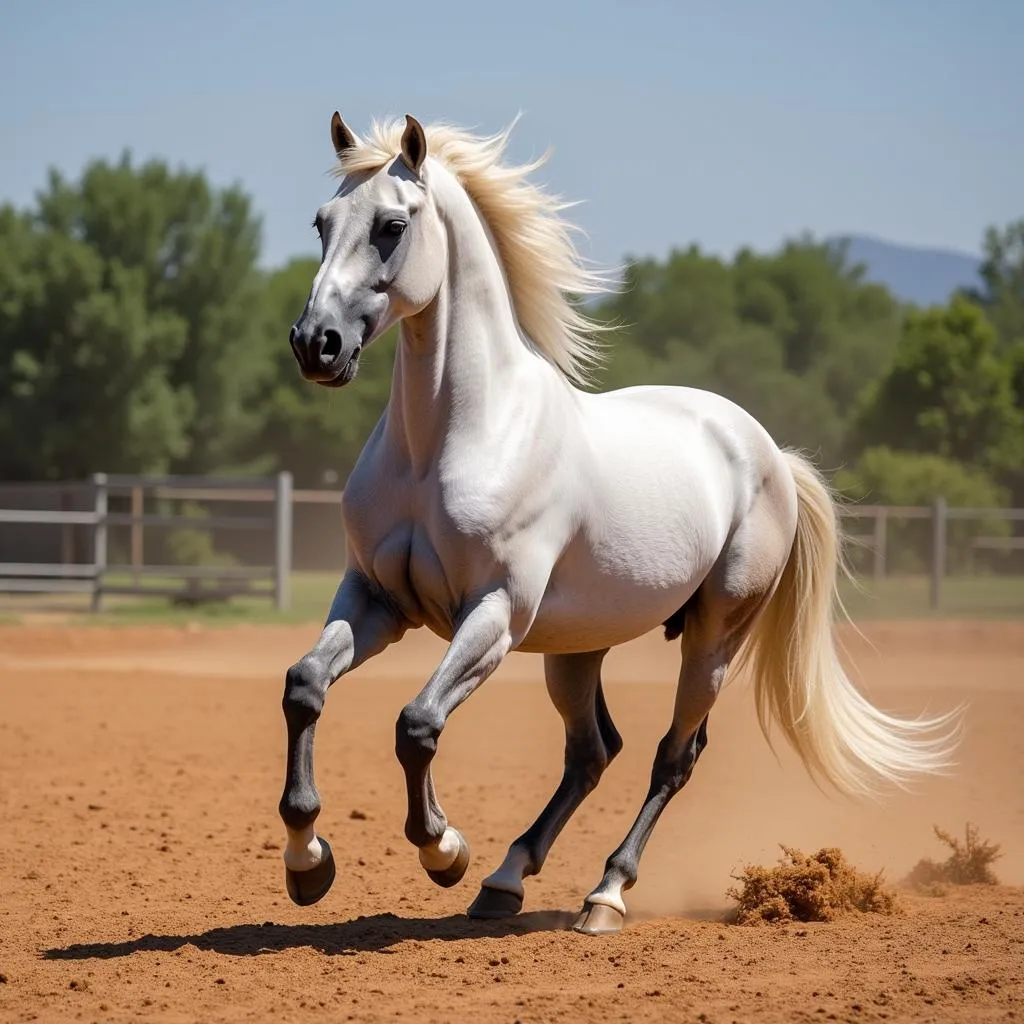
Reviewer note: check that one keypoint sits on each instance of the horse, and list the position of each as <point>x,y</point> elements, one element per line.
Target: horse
<point>503,505</point>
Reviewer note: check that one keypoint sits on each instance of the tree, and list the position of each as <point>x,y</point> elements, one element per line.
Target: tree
<point>887,477</point>
<point>1002,271</point>
<point>948,391</point>
<point>192,251</point>
<point>84,362</point>
<point>689,298</point>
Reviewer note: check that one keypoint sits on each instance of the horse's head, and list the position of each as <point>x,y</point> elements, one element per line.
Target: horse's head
<point>383,248</point>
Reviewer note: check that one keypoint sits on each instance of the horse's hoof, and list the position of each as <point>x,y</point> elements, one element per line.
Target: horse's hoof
<point>452,875</point>
<point>491,903</point>
<point>599,919</point>
<point>307,887</point>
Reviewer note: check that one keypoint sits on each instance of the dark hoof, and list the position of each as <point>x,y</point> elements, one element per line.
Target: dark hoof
<point>452,874</point>
<point>307,887</point>
<point>495,903</point>
<point>598,919</point>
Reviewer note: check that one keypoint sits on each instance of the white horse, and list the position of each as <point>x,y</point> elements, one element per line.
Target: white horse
<point>504,508</point>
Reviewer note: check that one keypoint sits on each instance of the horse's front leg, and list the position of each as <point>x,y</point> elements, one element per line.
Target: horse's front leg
<point>358,627</point>
<point>481,641</point>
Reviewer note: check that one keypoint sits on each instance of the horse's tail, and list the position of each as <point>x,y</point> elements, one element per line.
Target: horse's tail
<point>799,681</point>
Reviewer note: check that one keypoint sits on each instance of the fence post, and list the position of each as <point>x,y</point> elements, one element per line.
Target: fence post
<point>137,509</point>
<point>881,521</point>
<point>67,531</point>
<point>939,511</point>
<point>99,538</point>
<point>283,541</point>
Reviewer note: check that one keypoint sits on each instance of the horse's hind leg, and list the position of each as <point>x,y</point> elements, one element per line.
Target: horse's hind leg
<point>715,627</point>
<point>591,741</point>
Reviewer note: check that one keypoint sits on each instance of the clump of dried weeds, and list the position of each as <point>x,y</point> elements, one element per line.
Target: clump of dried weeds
<point>969,863</point>
<point>819,887</point>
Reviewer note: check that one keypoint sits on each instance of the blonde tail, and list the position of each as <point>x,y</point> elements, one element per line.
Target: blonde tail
<point>800,683</point>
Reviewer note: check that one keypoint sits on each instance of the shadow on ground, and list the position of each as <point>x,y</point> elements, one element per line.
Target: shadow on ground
<point>365,934</point>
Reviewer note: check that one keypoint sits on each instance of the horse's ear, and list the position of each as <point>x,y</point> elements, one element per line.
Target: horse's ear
<point>414,144</point>
<point>341,135</point>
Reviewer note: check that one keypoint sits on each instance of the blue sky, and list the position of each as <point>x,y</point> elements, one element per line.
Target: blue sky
<point>716,122</point>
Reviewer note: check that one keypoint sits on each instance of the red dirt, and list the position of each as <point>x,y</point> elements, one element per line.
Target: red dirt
<point>139,777</point>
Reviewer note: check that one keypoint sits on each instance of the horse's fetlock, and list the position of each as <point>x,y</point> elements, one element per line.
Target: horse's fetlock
<point>299,806</point>
<point>622,869</point>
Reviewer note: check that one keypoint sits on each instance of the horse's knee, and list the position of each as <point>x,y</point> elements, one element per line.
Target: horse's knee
<point>416,732</point>
<point>304,692</point>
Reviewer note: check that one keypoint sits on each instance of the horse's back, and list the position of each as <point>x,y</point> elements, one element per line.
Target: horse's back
<point>708,452</point>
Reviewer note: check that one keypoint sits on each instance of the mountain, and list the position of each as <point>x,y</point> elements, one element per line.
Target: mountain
<point>922,276</point>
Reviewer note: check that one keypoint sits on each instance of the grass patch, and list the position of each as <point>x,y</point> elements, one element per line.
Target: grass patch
<point>969,863</point>
<point>312,593</point>
<point>819,887</point>
<point>311,597</point>
<point>908,597</point>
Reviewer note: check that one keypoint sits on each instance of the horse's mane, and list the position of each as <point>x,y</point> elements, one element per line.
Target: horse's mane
<point>545,273</point>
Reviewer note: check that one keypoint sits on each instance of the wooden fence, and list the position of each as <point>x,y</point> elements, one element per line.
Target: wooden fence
<point>98,577</point>
<point>940,514</point>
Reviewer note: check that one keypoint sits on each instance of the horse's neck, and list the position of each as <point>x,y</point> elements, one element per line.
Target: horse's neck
<point>456,358</point>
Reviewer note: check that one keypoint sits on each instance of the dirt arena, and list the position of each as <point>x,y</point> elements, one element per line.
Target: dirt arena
<point>140,846</point>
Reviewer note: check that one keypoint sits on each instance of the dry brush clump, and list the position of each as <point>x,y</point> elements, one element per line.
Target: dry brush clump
<point>969,863</point>
<point>819,887</point>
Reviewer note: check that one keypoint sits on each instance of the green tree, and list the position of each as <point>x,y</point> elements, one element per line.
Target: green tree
<point>882,476</point>
<point>85,363</point>
<point>830,323</point>
<point>1002,271</point>
<point>192,251</point>
<point>948,391</point>
<point>689,298</point>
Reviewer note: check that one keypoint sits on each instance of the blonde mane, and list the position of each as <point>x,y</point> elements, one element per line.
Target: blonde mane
<point>545,273</point>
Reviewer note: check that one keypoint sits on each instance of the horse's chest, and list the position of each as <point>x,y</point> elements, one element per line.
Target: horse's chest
<point>423,558</point>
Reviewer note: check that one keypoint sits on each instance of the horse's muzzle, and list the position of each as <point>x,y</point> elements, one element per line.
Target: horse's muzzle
<point>322,354</point>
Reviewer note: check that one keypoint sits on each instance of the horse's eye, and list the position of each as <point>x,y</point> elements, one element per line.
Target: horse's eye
<point>395,227</point>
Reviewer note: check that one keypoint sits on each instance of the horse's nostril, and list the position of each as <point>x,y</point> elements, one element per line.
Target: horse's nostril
<point>332,345</point>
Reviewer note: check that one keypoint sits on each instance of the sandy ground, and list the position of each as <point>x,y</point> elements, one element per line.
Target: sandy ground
<point>140,771</point>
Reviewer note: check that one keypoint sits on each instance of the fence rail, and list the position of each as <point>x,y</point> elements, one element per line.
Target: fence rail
<point>41,516</point>
<point>98,577</point>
